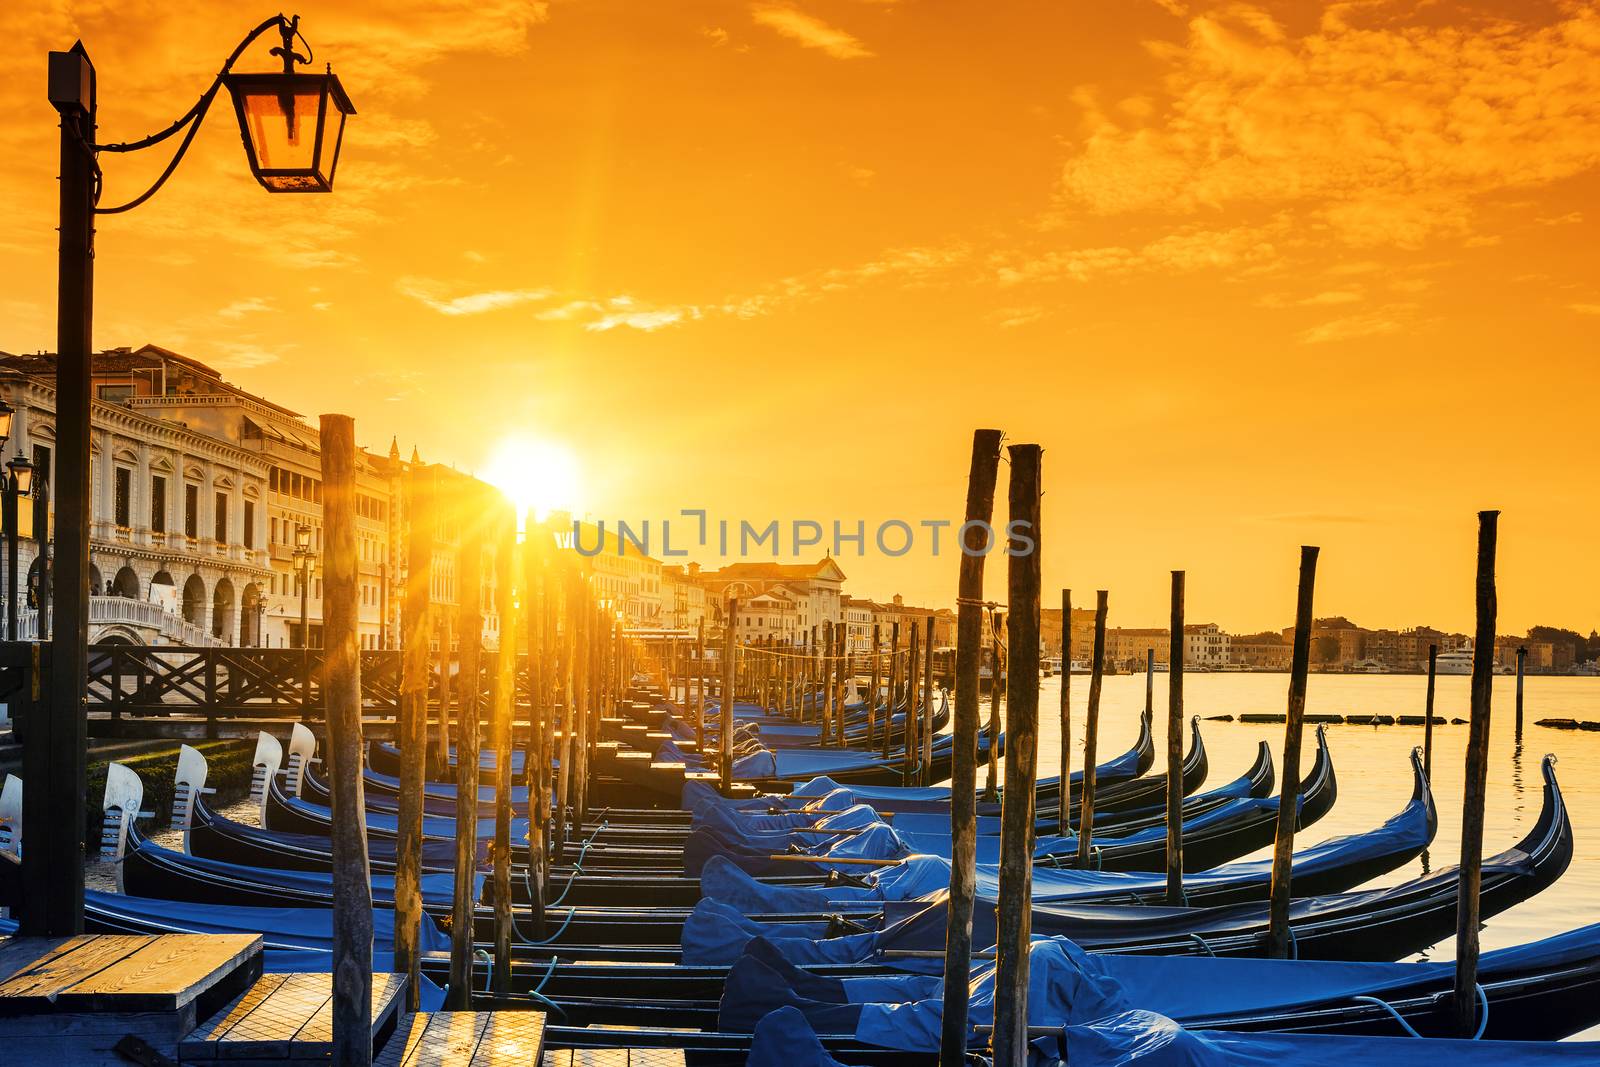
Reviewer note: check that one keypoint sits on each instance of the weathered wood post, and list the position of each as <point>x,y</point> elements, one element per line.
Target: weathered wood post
<point>975,546</point>
<point>927,700</point>
<point>842,679</point>
<point>352,876</point>
<point>1466,1003</point>
<point>894,682</point>
<point>725,706</point>
<point>872,699</point>
<point>1522,658</point>
<point>1091,732</point>
<point>1427,719</point>
<point>991,787</point>
<point>1022,726</point>
<point>536,765</point>
<point>827,681</point>
<point>469,584</point>
<point>414,625</point>
<point>1175,746</point>
<point>447,686</point>
<point>507,592</point>
<point>910,753</point>
<point>1064,814</point>
<point>572,582</point>
<point>1149,683</point>
<point>582,655</point>
<point>700,687</point>
<point>1294,727</point>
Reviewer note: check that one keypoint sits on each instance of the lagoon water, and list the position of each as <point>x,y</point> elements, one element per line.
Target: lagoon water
<point>1373,770</point>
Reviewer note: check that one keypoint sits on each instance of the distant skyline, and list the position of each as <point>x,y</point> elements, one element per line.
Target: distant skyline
<point>1254,274</point>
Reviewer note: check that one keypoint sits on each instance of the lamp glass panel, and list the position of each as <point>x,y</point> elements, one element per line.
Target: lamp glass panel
<point>283,128</point>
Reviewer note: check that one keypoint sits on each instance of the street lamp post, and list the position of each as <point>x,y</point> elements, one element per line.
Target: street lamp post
<point>304,557</point>
<point>18,481</point>
<point>8,519</point>
<point>285,121</point>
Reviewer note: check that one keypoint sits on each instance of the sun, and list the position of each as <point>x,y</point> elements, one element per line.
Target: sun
<point>538,475</point>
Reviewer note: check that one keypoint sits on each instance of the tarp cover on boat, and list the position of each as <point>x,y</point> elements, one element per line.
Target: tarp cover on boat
<point>1145,1039</point>
<point>1068,985</point>
<point>918,875</point>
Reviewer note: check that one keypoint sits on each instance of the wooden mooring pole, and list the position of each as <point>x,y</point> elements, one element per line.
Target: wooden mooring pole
<point>700,687</point>
<point>991,784</point>
<point>964,755</point>
<point>872,698</point>
<point>1175,897</point>
<point>469,585</point>
<point>1022,726</point>
<point>570,584</point>
<point>1522,660</point>
<point>730,646</point>
<point>909,752</point>
<point>827,682</point>
<point>352,875</point>
<point>927,700</point>
<point>1427,719</point>
<point>447,687</point>
<point>1294,727</point>
<point>1064,814</point>
<point>536,765</point>
<point>507,596</point>
<point>894,685</point>
<point>1091,732</point>
<point>1466,1001</point>
<point>414,625</point>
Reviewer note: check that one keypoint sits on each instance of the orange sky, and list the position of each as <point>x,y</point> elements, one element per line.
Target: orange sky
<point>1254,275</point>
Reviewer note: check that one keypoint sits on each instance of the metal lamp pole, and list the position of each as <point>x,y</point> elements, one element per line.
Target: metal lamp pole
<point>54,756</point>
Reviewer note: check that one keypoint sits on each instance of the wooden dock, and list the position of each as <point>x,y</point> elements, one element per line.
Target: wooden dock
<point>202,999</point>
<point>70,1000</point>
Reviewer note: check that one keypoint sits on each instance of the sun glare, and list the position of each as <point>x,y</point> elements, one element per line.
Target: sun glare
<point>538,475</point>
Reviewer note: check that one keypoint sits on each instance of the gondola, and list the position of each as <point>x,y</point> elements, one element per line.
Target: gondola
<point>1543,991</point>
<point>214,836</point>
<point>1220,835</point>
<point>643,931</point>
<point>1072,986</point>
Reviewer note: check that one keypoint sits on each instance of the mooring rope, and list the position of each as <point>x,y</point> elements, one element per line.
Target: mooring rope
<point>1483,1003</point>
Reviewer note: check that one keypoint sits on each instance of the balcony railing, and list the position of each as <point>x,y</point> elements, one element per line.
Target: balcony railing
<point>140,614</point>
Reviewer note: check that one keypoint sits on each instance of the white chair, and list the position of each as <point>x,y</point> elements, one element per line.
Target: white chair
<point>189,784</point>
<point>11,816</point>
<point>124,795</point>
<point>268,758</point>
<point>302,750</point>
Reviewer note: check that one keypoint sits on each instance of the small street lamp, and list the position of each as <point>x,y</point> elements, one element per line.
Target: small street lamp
<point>17,481</point>
<point>304,557</point>
<point>286,120</point>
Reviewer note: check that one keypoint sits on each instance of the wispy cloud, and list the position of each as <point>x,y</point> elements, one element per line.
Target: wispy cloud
<point>808,30</point>
<point>469,303</point>
<point>1374,129</point>
<point>240,308</point>
<point>1391,318</point>
<point>1585,309</point>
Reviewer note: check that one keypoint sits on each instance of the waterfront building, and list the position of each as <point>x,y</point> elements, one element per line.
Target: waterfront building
<point>683,597</point>
<point>198,492</point>
<point>1127,648</point>
<point>1205,645</point>
<point>815,588</point>
<point>858,617</point>
<point>1267,651</point>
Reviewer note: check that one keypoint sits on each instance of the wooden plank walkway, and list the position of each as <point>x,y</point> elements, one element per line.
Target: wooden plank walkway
<point>614,1057</point>
<point>467,1039</point>
<point>69,1000</point>
<point>286,1018</point>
